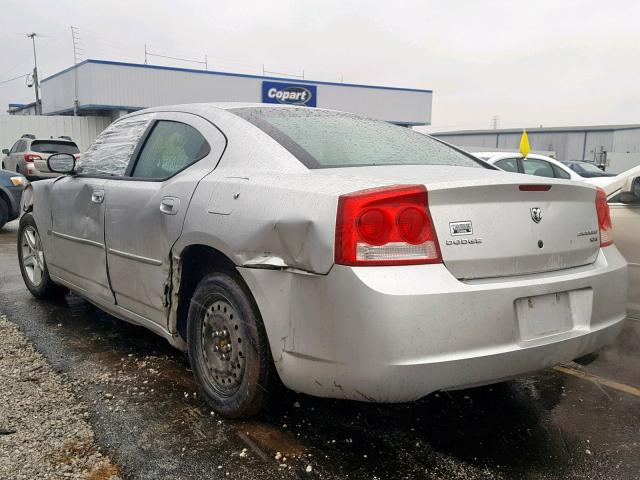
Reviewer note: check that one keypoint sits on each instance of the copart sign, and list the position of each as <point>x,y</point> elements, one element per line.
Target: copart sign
<point>289,93</point>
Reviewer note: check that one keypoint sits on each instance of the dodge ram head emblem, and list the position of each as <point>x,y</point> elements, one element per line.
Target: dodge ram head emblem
<point>536,214</point>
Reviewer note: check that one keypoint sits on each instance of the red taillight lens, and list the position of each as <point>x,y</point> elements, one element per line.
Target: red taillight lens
<point>386,226</point>
<point>604,218</point>
<point>413,225</point>
<point>30,157</point>
<point>374,226</point>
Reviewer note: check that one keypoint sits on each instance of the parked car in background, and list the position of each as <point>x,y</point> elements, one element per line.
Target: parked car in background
<point>623,194</point>
<point>586,169</point>
<point>28,156</point>
<point>533,164</point>
<point>11,186</point>
<point>350,257</point>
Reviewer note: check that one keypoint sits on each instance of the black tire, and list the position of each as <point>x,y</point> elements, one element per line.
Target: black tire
<point>228,347</point>
<point>4,212</point>
<point>45,288</point>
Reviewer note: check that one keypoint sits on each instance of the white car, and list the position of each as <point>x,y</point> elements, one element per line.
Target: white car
<point>623,195</point>
<point>28,156</point>
<point>533,164</point>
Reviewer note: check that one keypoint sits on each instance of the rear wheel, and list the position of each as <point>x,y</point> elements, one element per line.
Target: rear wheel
<point>228,346</point>
<point>4,212</point>
<point>32,262</point>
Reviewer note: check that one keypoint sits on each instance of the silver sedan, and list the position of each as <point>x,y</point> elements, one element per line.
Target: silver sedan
<point>344,256</point>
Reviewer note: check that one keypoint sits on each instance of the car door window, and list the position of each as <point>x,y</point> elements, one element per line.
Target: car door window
<point>539,168</point>
<point>15,147</point>
<point>560,173</point>
<point>109,155</point>
<point>170,148</point>
<point>508,164</point>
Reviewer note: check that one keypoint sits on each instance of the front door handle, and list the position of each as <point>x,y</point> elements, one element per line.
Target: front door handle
<point>97,196</point>
<point>170,205</point>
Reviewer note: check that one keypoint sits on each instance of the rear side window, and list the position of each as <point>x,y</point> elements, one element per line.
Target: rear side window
<point>508,164</point>
<point>539,168</point>
<point>42,146</point>
<point>170,148</point>
<point>111,152</point>
<point>560,173</point>
<point>324,139</point>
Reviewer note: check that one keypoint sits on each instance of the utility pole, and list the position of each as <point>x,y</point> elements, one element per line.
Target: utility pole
<point>36,83</point>
<point>494,122</point>
<point>75,36</point>
<point>145,53</point>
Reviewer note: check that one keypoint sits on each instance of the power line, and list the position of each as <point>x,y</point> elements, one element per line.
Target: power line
<point>147,53</point>
<point>14,78</point>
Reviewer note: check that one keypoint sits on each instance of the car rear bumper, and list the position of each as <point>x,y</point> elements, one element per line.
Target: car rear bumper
<point>391,334</point>
<point>35,174</point>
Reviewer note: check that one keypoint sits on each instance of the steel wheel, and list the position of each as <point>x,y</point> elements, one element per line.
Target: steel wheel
<point>221,341</point>
<point>228,346</point>
<point>32,255</point>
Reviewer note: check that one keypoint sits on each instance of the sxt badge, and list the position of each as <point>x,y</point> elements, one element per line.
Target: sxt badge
<point>461,228</point>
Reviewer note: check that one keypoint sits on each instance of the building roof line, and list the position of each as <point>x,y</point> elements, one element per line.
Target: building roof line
<point>592,128</point>
<point>230,74</point>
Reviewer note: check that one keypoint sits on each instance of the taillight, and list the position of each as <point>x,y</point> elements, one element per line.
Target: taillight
<point>386,226</point>
<point>30,157</point>
<point>604,218</point>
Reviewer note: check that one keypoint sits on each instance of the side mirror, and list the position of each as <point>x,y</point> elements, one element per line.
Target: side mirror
<point>5,151</point>
<point>61,163</point>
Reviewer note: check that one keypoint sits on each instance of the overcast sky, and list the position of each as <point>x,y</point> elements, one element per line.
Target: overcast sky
<point>529,63</point>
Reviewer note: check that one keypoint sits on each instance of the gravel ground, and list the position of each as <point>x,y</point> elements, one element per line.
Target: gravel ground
<point>43,427</point>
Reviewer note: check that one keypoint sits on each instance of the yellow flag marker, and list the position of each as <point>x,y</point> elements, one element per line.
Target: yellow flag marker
<point>525,148</point>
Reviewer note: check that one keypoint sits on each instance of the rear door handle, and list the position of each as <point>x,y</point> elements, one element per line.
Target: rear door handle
<point>97,196</point>
<point>170,205</point>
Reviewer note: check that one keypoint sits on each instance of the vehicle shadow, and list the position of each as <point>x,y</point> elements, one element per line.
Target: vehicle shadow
<point>484,432</point>
<point>503,427</point>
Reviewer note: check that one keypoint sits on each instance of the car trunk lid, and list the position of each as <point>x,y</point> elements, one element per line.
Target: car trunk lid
<point>503,230</point>
<point>489,225</point>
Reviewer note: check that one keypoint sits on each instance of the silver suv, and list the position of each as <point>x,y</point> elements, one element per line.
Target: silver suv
<point>29,154</point>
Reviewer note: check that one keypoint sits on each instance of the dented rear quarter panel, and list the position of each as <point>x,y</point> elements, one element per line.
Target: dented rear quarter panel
<point>262,208</point>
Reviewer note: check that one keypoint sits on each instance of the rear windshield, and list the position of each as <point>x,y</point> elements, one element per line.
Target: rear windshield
<point>54,146</point>
<point>589,167</point>
<point>323,139</point>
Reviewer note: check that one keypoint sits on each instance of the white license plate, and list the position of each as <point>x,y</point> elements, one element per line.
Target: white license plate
<point>544,315</point>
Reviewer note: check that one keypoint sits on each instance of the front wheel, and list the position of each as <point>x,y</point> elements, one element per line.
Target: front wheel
<point>228,347</point>
<point>33,266</point>
<point>4,212</point>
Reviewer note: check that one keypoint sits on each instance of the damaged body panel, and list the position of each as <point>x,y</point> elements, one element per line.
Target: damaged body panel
<point>139,240</point>
<point>478,275</point>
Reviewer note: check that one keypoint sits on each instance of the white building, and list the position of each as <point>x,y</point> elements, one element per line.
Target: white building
<point>111,89</point>
<point>617,146</point>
